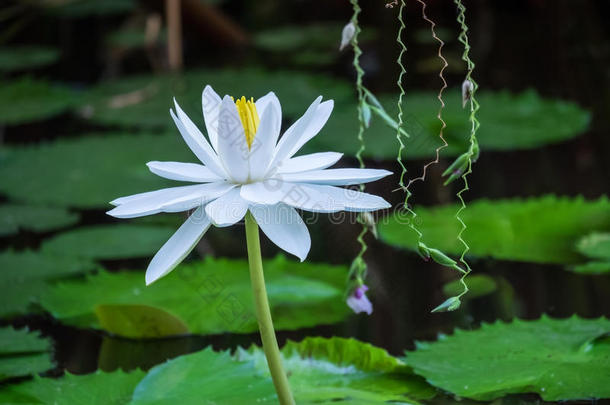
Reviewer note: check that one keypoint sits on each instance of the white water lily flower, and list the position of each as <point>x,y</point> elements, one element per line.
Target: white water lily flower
<point>245,167</point>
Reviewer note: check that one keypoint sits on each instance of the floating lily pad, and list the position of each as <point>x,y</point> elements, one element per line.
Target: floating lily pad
<point>23,353</point>
<point>509,122</point>
<point>26,99</point>
<point>32,218</point>
<point>115,241</point>
<point>28,274</point>
<point>98,388</point>
<point>88,172</point>
<point>558,359</point>
<point>540,230</point>
<point>212,296</point>
<point>592,267</point>
<point>321,371</point>
<point>15,58</point>
<point>144,101</point>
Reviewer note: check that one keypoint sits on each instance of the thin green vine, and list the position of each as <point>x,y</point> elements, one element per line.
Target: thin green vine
<point>358,268</point>
<point>473,150</point>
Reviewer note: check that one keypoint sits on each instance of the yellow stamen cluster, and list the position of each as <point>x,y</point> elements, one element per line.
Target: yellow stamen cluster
<point>249,118</point>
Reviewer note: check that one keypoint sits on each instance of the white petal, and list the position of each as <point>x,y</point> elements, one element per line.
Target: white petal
<point>263,145</point>
<point>173,199</point>
<point>313,161</point>
<point>303,130</point>
<point>351,200</point>
<point>267,192</point>
<point>232,146</point>
<point>183,171</point>
<point>297,195</point>
<point>267,100</point>
<point>228,209</point>
<point>284,227</point>
<point>335,177</point>
<point>178,246</point>
<point>210,102</point>
<point>196,141</point>
<point>293,134</point>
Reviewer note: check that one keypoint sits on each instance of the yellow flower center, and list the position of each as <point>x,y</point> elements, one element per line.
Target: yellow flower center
<point>249,118</point>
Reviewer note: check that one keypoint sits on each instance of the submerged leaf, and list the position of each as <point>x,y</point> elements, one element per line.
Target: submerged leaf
<point>543,356</point>
<point>541,230</point>
<point>211,296</point>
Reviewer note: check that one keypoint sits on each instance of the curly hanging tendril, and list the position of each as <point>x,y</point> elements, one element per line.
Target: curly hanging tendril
<point>472,152</point>
<point>359,268</point>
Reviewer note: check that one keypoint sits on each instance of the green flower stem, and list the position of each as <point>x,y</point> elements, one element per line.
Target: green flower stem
<point>263,313</point>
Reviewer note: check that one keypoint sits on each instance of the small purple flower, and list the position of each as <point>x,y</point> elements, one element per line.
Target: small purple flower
<point>359,302</point>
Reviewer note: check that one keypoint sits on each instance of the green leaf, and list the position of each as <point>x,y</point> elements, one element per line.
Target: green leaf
<point>478,286</point>
<point>321,371</point>
<point>540,230</point>
<point>26,99</point>
<point>595,246</point>
<point>558,359</point>
<point>15,58</point>
<point>92,389</point>
<point>516,121</point>
<point>32,218</point>
<point>211,296</point>
<point>29,275</point>
<point>23,353</point>
<point>88,172</point>
<point>114,241</point>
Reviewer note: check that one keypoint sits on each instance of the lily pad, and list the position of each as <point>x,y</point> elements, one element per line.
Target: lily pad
<point>208,297</point>
<point>23,353</point>
<point>321,371</point>
<point>509,122</point>
<point>98,388</point>
<point>32,218</point>
<point>540,230</point>
<point>88,172</point>
<point>26,100</point>
<point>15,58</point>
<point>115,241</point>
<point>144,101</point>
<point>559,359</point>
<point>29,274</point>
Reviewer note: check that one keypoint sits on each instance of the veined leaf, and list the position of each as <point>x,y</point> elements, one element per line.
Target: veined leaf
<point>558,359</point>
<point>211,296</point>
<point>540,230</point>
